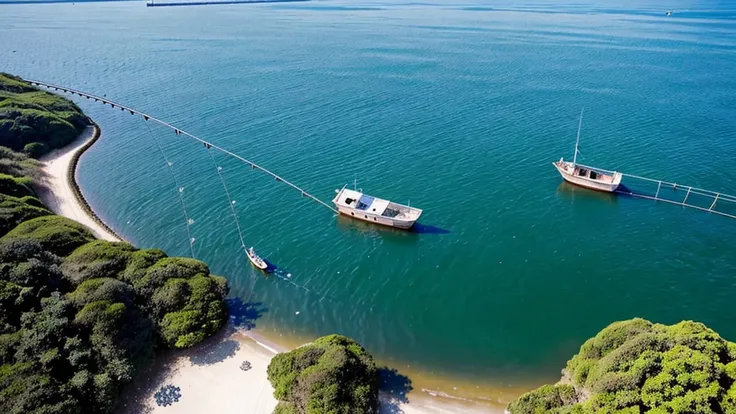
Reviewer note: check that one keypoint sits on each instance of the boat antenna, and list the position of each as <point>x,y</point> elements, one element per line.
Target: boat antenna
<point>577,141</point>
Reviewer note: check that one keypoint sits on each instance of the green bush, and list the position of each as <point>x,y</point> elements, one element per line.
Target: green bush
<point>169,268</point>
<point>139,263</point>
<point>636,366</point>
<point>172,296</point>
<point>102,289</point>
<point>182,329</point>
<point>15,186</point>
<point>36,121</point>
<point>18,165</point>
<point>14,210</point>
<point>545,399</point>
<point>35,149</point>
<point>26,263</point>
<point>334,374</point>
<point>57,234</point>
<point>99,258</point>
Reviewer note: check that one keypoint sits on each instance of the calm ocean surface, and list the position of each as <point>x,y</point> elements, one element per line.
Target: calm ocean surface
<point>457,107</point>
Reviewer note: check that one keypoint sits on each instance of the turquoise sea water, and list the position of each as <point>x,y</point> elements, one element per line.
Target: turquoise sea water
<point>457,107</point>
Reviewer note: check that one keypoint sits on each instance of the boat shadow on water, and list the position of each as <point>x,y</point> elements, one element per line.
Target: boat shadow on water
<point>421,228</point>
<point>347,223</point>
<point>573,192</point>
<point>270,267</point>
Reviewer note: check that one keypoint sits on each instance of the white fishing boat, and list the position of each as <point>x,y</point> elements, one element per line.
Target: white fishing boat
<point>585,176</point>
<point>256,259</point>
<point>356,204</point>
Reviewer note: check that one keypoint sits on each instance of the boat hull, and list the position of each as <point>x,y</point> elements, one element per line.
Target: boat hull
<point>371,218</point>
<point>262,265</point>
<point>588,183</point>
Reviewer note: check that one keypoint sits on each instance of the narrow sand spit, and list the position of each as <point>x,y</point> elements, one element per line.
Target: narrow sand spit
<point>56,191</point>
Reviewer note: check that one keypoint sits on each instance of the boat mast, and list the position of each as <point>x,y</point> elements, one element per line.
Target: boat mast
<point>577,141</point>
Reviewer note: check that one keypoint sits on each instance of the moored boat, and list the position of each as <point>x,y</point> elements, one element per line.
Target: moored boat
<point>356,204</point>
<point>585,176</point>
<point>256,259</point>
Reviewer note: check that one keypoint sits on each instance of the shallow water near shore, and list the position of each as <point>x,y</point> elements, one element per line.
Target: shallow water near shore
<point>458,109</point>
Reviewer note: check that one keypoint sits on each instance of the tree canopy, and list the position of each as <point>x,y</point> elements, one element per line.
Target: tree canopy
<point>636,366</point>
<point>332,375</point>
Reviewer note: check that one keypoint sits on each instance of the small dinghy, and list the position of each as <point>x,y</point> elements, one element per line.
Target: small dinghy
<point>256,259</point>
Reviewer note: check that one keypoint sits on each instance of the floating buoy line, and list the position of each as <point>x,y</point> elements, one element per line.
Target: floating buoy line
<point>209,146</point>
<point>179,132</point>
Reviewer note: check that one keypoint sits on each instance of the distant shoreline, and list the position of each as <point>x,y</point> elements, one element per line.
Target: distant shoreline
<point>62,1</point>
<point>152,3</point>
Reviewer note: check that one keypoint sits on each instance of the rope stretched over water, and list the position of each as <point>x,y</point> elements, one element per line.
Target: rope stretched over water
<point>179,191</point>
<point>208,145</point>
<point>231,203</point>
<point>179,131</point>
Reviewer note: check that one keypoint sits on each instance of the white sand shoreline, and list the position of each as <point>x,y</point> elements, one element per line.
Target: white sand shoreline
<point>209,378</point>
<point>56,192</point>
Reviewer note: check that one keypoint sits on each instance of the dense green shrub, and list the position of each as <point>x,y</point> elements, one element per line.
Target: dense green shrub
<point>189,309</point>
<point>57,234</point>
<point>18,165</point>
<point>36,121</point>
<point>169,268</point>
<point>139,263</point>
<point>545,399</point>
<point>102,289</point>
<point>332,375</point>
<point>35,149</point>
<point>637,366</point>
<point>99,258</point>
<point>15,186</point>
<point>14,210</point>
<point>26,263</point>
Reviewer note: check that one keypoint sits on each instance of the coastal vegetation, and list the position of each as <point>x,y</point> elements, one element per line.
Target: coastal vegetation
<point>636,366</point>
<point>35,121</point>
<point>79,316</point>
<point>332,375</point>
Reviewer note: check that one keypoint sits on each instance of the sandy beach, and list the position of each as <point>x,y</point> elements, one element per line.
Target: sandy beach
<point>56,192</point>
<point>209,378</point>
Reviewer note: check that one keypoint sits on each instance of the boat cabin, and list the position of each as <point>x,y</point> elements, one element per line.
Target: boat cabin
<point>365,207</point>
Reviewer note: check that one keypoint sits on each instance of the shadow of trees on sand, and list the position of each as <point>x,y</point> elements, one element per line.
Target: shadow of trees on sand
<point>215,350</point>
<point>220,347</point>
<point>139,396</point>
<point>394,387</point>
